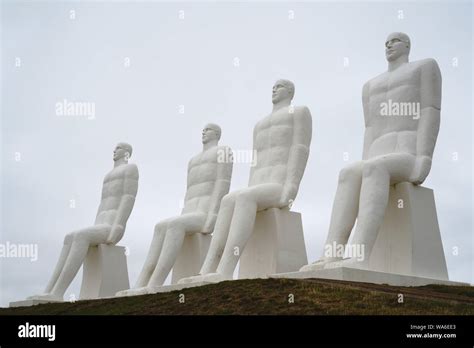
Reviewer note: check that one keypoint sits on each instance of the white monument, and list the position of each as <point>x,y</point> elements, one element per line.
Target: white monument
<point>397,230</point>
<point>209,175</point>
<point>118,197</point>
<point>281,142</point>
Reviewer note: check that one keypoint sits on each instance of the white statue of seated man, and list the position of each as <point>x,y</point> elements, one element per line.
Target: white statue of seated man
<point>281,142</point>
<point>398,147</point>
<point>209,175</point>
<point>118,197</point>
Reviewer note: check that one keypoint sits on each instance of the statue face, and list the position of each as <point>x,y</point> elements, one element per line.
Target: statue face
<point>280,92</point>
<point>120,153</point>
<point>209,134</point>
<point>395,47</point>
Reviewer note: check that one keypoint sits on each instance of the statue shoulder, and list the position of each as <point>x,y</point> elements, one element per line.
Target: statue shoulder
<point>302,109</point>
<point>431,65</point>
<point>428,65</point>
<point>427,62</point>
<point>429,70</point>
<point>367,84</point>
<point>302,113</point>
<point>194,159</point>
<point>131,170</point>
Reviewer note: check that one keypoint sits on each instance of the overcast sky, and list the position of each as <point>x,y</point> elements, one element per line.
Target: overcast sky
<point>143,64</point>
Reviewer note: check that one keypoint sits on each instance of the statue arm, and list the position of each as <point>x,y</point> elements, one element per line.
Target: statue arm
<point>428,124</point>
<point>254,155</point>
<point>298,157</point>
<point>188,184</point>
<point>99,210</point>
<point>127,200</point>
<point>221,188</point>
<point>368,136</point>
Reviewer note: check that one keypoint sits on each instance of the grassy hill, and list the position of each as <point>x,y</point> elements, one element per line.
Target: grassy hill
<point>273,297</point>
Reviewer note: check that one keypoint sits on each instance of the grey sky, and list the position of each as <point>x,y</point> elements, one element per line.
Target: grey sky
<point>192,62</point>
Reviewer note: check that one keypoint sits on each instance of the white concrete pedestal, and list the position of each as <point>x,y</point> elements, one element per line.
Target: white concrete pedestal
<point>104,272</point>
<point>276,245</point>
<point>366,276</point>
<point>191,256</point>
<point>408,250</point>
<point>409,241</point>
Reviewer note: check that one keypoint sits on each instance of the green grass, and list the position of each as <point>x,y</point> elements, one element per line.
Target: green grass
<point>271,297</point>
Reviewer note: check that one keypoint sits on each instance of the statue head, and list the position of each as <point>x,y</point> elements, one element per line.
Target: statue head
<point>396,46</point>
<point>122,150</point>
<point>211,132</point>
<point>283,89</point>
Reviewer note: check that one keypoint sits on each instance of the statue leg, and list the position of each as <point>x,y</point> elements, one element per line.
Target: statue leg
<point>343,216</point>
<point>378,174</point>
<point>345,206</point>
<point>176,230</point>
<point>221,232</point>
<point>77,253</point>
<point>248,202</point>
<point>153,254</point>
<point>60,264</point>
<point>218,240</point>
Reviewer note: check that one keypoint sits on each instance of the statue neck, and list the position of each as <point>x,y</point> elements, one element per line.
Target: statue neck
<point>281,104</point>
<point>395,64</point>
<point>119,162</point>
<point>208,145</point>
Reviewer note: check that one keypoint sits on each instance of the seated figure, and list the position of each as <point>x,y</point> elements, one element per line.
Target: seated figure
<point>402,117</point>
<point>118,197</point>
<point>209,175</point>
<point>281,143</point>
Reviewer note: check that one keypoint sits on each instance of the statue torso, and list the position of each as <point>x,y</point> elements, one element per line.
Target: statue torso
<point>273,138</point>
<point>202,175</point>
<point>112,192</point>
<point>392,133</point>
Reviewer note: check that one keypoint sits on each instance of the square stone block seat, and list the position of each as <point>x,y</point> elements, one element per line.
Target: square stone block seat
<point>104,272</point>
<point>276,245</point>
<point>409,241</point>
<point>191,256</point>
<point>408,250</point>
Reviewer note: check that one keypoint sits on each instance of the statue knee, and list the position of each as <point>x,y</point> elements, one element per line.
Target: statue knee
<point>175,225</point>
<point>228,199</point>
<point>371,168</point>
<point>345,175</point>
<point>350,172</point>
<point>159,228</point>
<point>80,236</point>
<point>245,196</point>
<point>69,238</point>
